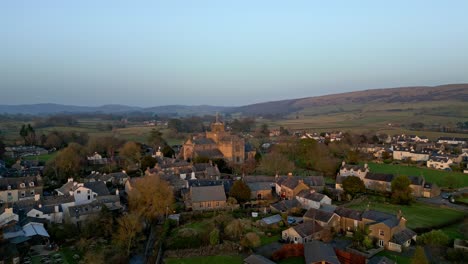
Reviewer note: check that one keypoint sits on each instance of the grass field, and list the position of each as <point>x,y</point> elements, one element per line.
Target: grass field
<point>431,175</point>
<point>419,215</point>
<point>398,258</point>
<point>43,158</point>
<point>206,260</point>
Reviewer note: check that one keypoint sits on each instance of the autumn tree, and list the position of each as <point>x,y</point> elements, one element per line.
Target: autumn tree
<point>156,140</point>
<point>401,190</point>
<point>131,153</point>
<point>234,229</point>
<point>106,145</point>
<point>419,256</point>
<point>240,191</point>
<point>151,198</point>
<point>275,163</point>
<point>68,162</point>
<point>28,134</point>
<point>250,240</point>
<point>129,226</point>
<point>353,185</point>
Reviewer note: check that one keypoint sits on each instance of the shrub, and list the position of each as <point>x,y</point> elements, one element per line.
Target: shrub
<point>251,240</point>
<point>234,229</point>
<point>434,238</point>
<point>214,237</point>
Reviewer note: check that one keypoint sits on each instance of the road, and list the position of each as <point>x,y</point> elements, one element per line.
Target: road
<point>441,201</point>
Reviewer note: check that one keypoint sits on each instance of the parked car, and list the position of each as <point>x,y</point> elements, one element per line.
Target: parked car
<point>291,220</point>
<point>446,195</point>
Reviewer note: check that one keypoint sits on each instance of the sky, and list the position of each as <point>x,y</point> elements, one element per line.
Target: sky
<point>150,53</point>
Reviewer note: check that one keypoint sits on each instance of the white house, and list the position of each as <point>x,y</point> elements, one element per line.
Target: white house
<point>95,156</point>
<point>53,214</point>
<point>441,163</point>
<point>79,191</point>
<point>311,199</point>
<point>350,170</point>
<point>402,154</point>
<point>7,216</point>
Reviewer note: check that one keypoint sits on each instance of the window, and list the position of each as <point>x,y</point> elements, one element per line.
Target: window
<point>89,197</point>
<point>209,204</point>
<point>37,215</point>
<point>381,232</point>
<point>9,194</point>
<point>32,192</point>
<point>201,205</point>
<point>31,184</point>
<point>217,204</point>
<point>22,185</point>
<point>381,243</point>
<point>23,194</point>
<point>78,191</point>
<point>89,191</point>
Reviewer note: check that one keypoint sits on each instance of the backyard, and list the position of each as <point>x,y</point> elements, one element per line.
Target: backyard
<point>419,215</point>
<point>431,175</point>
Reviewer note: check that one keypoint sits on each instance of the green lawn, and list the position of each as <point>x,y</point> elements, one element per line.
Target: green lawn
<point>453,231</point>
<point>395,257</point>
<point>265,240</point>
<point>44,158</point>
<point>431,175</point>
<point>206,260</point>
<point>418,214</point>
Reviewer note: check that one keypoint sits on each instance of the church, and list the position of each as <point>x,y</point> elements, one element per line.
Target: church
<point>216,143</point>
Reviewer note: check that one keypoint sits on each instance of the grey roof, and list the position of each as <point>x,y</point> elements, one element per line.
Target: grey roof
<point>203,141</point>
<point>208,193</point>
<point>379,177</point>
<point>210,153</point>
<point>319,215</point>
<point>389,220</point>
<point>314,181</point>
<point>85,209</point>
<point>286,205</point>
<point>348,213</point>
<point>66,187</point>
<point>272,219</point>
<point>316,251</point>
<point>259,178</point>
<point>56,200</point>
<point>307,228</point>
<point>257,259</point>
<point>314,196</point>
<point>328,207</point>
<point>259,186</point>
<point>15,182</point>
<point>98,187</point>
<point>227,183</point>
<point>403,236</point>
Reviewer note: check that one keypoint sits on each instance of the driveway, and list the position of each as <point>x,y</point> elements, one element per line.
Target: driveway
<point>441,201</point>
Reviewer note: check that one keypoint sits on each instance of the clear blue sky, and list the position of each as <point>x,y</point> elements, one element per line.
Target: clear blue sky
<point>148,53</point>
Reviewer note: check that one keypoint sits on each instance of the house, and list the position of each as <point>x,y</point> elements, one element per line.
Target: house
<point>115,178</point>
<point>303,233</point>
<point>79,191</point>
<point>317,252</point>
<point>389,230</point>
<point>261,190</point>
<point>324,218</point>
<point>14,189</point>
<point>8,216</point>
<point>350,170</point>
<point>285,206</point>
<point>206,171</point>
<point>381,182</point>
<point>452,140</point>
<point>257,259</point>
<point>400,153</point>
<point>53,214</point>
<point>350,219</point>
<point>311,199</point>
<point>207,197</point>
<point>82,212</point>
<point>288,187</point>
<point>440,163</point>
<point>31,230</point>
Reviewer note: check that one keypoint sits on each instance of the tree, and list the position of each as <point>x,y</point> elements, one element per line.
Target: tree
<point>275,163</point>
<point>234,229</point>
<point>263,130</point>
<point>283,131</point>
<point>28,134</point>
<point>214,237</point>
<point>401,190</point>
<point>434,238</point>
<point>129,226</point>
<point>148,162</point>
<point>250,240</point>
<point>240,191</point>
<point>156,140</point>
<point>151,198</point>
<point>419,256</point>
<point>168,152</point>
<point>353,185</point>
<point>2,147</point>
<point>68,161</point>
<point>131,153</point>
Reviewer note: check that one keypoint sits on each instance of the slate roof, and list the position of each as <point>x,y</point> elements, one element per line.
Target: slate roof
<point>314,181</point>
<point>403,236</point>
<point>316,251</point>
<point>227,183</point>
<point>307,228</point>
<point>348,213</point>
<point>272,219</point>
<point>203,141</point>
<point>259,178</point>
<point>379,177</point>
<point>389,220</point>
<point>319,215</point>
<point>85,209</point>
<point>257,259</point>
<point>259,186</point>
<point>286,205</point>
<point>66,187</point>
<point>314,196</point>
<point>98,187</point>
<point>208,193</point>
<point>380,260</point>
<point>211,153</point>
<point>15,182</point>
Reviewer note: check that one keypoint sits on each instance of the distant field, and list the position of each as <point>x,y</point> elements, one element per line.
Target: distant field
<point>206,260</point>
<point>43,158</point>
<point>431,175</point>
<point>419,215</point>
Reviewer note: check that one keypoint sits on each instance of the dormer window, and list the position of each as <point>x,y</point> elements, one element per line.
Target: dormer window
<point>9,187</point>
<point>22,185</point>
<point>31,184</point>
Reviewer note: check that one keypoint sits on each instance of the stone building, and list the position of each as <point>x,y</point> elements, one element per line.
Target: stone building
<point>216,143</point>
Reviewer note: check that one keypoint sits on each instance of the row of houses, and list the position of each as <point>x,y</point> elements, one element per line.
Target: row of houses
<point>382,182</point>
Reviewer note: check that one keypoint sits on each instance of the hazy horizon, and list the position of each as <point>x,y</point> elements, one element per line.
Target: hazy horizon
<point>91,53</point>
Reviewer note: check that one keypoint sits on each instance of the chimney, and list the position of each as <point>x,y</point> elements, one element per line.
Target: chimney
<point>56,208</point>
<point>37,197</point>
<point>39,205</point>
<point>70,180</point>
<point>117,192</point>
<point>290,174</point>
<point>343,163</point>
